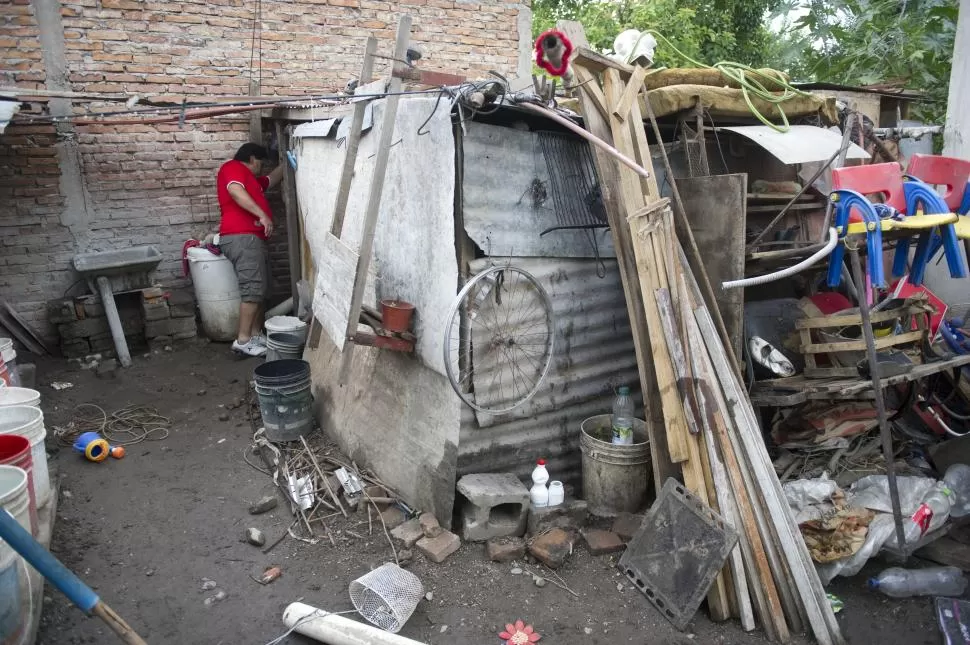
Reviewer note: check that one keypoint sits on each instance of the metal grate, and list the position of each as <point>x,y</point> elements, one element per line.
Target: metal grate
<point>574,187</point>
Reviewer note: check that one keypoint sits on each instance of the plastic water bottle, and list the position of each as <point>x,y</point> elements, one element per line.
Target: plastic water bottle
<point>623,417</point>
<point>957,479</point>
<point>934,509</point>
<point>934,581</point>
<point>539,494</point>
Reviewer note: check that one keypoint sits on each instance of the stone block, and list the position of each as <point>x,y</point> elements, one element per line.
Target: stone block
<point>429,525</point>
<point>438,548</point>
<point>84,328</point>
<point>91,306</point>
<point>496,505</point>
<point>155,310</point>
<point>101,343</point>
<point>505,549</point>
<point>181,311</point>
<point>185,335</point>
<point>601,542</point>
<point>408,533</point>
<point>60,312</point>
<point>75,348</point>
<point>153,293</point>
<point>553,547</point>
<point>626,525</point>
<point>571,514</point>
<point>169,327</point>
<point>393,517</point>
<point>181,297</point>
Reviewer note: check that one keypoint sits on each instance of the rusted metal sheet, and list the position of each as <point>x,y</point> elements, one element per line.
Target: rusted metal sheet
<point>594,354</point>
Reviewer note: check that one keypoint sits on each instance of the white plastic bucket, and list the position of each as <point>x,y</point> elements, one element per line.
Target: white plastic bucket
<point>14,499</point>
<point>9,356</point>
<point>11,396</point>
<point>287,325</point>
<point>216,293</point>
<point>29,422</point>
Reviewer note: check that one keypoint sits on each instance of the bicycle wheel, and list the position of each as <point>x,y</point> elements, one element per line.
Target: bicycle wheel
<point>499,339</point>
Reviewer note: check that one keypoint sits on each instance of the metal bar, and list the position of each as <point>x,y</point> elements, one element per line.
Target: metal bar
<point>292,215</point>
<point>885,432</point>
<point>841,162</point>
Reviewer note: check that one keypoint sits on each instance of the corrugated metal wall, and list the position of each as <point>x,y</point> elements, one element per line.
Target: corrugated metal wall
<point>594,354</point>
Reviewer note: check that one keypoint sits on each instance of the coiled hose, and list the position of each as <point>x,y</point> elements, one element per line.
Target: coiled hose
<point>816,257</point>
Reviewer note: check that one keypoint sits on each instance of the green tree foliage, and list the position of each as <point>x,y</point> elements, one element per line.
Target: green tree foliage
<point>706,30</point>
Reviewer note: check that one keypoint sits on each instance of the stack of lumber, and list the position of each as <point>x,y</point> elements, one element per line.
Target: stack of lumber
<point>700,421</point>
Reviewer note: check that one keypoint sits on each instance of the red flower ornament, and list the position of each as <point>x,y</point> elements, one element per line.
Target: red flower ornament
<point>519,634</point>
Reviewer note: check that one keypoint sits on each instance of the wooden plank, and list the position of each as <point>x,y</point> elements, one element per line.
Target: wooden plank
<point>715,209</point>
<point>629,98</point>
<point>376,189</point>
<point>860,345</point>
<point>856,319</point>
<point>592,88</point>
<point>607,171</point>
<point>820,617</point>
<point>353,142</point>
<point>293,228</point>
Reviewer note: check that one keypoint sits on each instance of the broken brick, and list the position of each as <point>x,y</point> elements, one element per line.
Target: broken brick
<point>505,549</point>
<point>626,525</point>
<point>408,533</point>
<point>438,548</point>
<point>553,547</point>
<point>429,525</point>
<point>601,542</point>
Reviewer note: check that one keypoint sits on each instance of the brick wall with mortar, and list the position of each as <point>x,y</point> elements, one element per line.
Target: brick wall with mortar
<point>98,187</point>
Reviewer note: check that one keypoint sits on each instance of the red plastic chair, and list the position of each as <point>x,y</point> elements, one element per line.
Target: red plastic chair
<point>942,171</point>
<point>880,178</point>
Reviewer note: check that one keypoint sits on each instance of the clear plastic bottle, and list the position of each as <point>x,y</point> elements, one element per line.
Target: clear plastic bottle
<point>539,493</point>
<point>932,512</point>
<point>623,416</point>
<point>957,479</point>
<point>933,581</point>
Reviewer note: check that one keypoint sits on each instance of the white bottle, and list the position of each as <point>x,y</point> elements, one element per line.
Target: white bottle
<point>539,494</point>
<point>557,495</point>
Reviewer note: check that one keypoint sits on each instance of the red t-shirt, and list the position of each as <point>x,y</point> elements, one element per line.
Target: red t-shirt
<point>237,220</point>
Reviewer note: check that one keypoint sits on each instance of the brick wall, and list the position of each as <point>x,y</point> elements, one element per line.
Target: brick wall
<point>154,184</point>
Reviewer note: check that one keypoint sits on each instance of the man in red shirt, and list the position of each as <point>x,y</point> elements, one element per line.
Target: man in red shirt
<point>247,222</point>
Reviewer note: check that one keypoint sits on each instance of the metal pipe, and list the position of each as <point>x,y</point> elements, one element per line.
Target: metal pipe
<point>596,141</point>
<point>843,151</point>
<point>336,630</point>
<point>885,432</point>
<point>114,321</point>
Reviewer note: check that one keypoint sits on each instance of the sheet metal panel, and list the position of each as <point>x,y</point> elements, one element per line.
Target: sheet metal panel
<point>801,144</point>
<point>594,354</point>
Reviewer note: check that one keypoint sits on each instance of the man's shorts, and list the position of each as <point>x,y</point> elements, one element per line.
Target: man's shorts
<point>250,258</point>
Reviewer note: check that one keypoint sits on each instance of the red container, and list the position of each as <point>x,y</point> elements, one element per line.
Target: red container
<point>15,451</point>
<point>396,315</point>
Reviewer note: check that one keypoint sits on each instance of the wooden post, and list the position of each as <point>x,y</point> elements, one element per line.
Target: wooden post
<point>293,224</point>
<point>956,133</point>
<point>353,141</point>
<point>374,198</point>
<point>256,116</point>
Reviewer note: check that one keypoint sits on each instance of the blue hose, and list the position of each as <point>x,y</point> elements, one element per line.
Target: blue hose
<point>50,567</point>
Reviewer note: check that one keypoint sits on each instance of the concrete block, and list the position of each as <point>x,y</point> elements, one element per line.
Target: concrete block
<point>571,514</point>
<point>181,297</point>
<point>626,525</point>
<point>91,306</point>
<point>101,343</point>
<point>438,548</point>
<point>429,525</point>
<point>181,311</point>
<point>505,549</point>
<point>185,335</point>
<point>497,505</point>
<point>83,328</point>
<point>393,517</point>
<point>155,310</point>
<point>75,348</point>
<point>553,547</point>
<point>107,369</point>
<point>153,293</point>
<point>408,533</point>
<point>169,327</point>
<point>60,312</point>
<point>601,542</point>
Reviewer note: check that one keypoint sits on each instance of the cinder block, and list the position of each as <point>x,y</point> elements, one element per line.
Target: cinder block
<point>83,328</point>
<point>185,335</point>
<point>91,305</point>
<point>181,297</point>
<point>75,348</point>
<point>571,514</point>
<point>181,311</point>
<point>497,505</point>
<point>155,310</point>
<point>169,327</point>
<point>60,312</point>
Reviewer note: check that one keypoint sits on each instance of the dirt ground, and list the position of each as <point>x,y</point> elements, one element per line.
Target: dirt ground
<point>146,530</point>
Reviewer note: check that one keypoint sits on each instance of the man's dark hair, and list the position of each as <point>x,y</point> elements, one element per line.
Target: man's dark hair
<point>248,150</point>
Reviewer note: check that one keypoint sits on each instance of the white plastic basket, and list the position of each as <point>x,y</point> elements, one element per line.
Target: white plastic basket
<point>387,596</point>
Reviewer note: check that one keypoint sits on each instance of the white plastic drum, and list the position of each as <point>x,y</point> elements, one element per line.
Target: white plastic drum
<point>29,422</point>
<point>216,292</point>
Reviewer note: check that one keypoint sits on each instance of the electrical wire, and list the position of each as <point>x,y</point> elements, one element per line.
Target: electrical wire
<point>128,426</point>
<point>751,81</point>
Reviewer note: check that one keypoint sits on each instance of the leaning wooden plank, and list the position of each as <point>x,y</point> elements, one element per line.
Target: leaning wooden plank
<point>374,198</point>
<point>630,94</point>
<point>820,616</point>
<point>353,142</point>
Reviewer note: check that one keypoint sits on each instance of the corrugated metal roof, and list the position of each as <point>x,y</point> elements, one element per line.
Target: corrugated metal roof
<point>594,354</point>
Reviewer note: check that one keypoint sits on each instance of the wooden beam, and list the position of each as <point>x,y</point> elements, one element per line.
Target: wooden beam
<point>293,225</point>
<point>353,142</point>
<point>629,98</point>
<point>255,117</point>
<point>374,198</point>
<point>590,85</point>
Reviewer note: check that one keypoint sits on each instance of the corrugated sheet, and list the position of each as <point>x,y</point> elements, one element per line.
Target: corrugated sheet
<point>594,354</point>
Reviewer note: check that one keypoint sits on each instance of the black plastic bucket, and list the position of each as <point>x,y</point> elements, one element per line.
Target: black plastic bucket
<point>285,399</point>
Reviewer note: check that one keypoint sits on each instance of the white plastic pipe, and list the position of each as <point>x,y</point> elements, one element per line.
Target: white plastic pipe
<point>337,630</point>
<point>821,254</point>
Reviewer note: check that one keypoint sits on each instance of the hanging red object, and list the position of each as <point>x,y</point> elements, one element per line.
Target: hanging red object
<point>553,50</point>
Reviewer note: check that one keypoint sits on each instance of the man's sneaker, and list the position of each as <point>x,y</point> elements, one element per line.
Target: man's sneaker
<point>259,339</point>
<point>249,348</point>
